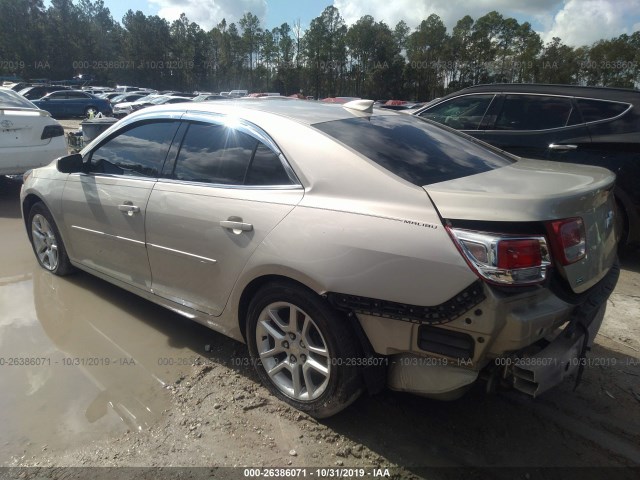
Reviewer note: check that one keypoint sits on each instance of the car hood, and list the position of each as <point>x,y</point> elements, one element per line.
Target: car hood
<point>539,191</point>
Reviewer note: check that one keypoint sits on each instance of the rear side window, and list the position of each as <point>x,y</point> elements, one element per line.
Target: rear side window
<point>594,110</point>
<point>221,155</point>
<point>413,149</point>
<point>461,113</point>
<point>533,112</point>
<point>138,151</point>
<point>266,169</point>
<point>214,154</point>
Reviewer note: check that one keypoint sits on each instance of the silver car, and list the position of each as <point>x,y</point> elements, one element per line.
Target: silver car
<point>349,248</point>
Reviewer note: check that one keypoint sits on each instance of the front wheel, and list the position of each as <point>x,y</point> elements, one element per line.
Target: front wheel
<point>47,242</point>
<point>302,349</point>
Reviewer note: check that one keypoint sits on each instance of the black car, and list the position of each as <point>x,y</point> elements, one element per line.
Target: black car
<point>39,91</point>
<point>588,125</point>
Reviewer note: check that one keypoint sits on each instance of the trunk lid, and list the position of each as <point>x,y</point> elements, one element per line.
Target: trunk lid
<point>540,191</point>
<point>23,128</point>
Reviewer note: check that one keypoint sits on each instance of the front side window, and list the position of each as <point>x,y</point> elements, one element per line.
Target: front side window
<point>137,151</point>
<point>533,112</point>
<point>462,113</point>
<point>221,155</point>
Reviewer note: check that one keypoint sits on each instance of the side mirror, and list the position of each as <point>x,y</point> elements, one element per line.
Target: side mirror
<point>70,164</point>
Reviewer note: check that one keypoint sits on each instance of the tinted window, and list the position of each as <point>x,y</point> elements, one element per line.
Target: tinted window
<point>462,113</point>
<point>214,154</point>
<point>139,151</point>
<point>58,95</point>
<point>78,95</point>
<point>533,112</point>
<point>266,169</point>
<point>594,110</point>
<point>413,149</point>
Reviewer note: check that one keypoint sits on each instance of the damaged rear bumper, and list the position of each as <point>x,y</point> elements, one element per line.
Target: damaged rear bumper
<point>531,342</point>
<point>563,357</point>
<point>565,354</point>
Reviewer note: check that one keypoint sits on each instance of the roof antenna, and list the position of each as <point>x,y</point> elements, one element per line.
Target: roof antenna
<point>365,106</point>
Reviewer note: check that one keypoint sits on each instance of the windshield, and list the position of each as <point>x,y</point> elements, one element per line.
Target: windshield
<point>416,150</point>
<point>11,99</point>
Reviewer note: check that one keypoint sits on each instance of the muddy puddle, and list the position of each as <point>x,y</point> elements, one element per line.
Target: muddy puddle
<point>79,359</point>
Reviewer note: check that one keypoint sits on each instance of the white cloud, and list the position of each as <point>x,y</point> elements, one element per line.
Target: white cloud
<point>582,22</point>
<point>576,22</point>
<point>208,13</point>
<point>450,11</point>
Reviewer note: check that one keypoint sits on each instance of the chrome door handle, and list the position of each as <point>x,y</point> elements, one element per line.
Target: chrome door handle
<point>236,226</point>
<point>129,208</point>
<point>562,146</point>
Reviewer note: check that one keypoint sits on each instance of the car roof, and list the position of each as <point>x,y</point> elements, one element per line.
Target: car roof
<point>605,93</point>
<point>301,111</point>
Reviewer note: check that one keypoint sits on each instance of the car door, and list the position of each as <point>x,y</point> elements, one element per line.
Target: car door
<point>228,188</point>
<point>104,207</point>
<point>55,104</point>
<point>538,126</point>
<point>77,103</point>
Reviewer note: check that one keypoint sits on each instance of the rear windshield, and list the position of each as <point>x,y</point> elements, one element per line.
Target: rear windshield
<point>414,149</point>
<point>11,99</point>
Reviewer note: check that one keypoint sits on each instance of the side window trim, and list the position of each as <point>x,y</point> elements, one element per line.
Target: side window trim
<point>491,114</point>
<point>172,154</point>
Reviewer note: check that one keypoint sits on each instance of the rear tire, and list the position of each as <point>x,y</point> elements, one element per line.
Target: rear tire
<point>303,350</point>
<point>46,241</point>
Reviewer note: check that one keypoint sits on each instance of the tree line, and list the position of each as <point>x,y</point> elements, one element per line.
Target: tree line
<point>329,58</point>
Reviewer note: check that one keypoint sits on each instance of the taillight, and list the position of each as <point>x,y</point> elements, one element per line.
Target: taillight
<point>504,259</point>
<point>522,253</point>
<point>568,240</point>
<point>51,131</point>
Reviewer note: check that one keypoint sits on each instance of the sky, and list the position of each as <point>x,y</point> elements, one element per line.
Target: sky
<point>576,22</point>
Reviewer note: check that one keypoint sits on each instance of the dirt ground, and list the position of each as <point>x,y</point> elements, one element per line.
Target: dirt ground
<point>210,410</point>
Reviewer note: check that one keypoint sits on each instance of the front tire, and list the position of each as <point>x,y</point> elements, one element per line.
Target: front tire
<point>302,349</point>
<point>46,241</point>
